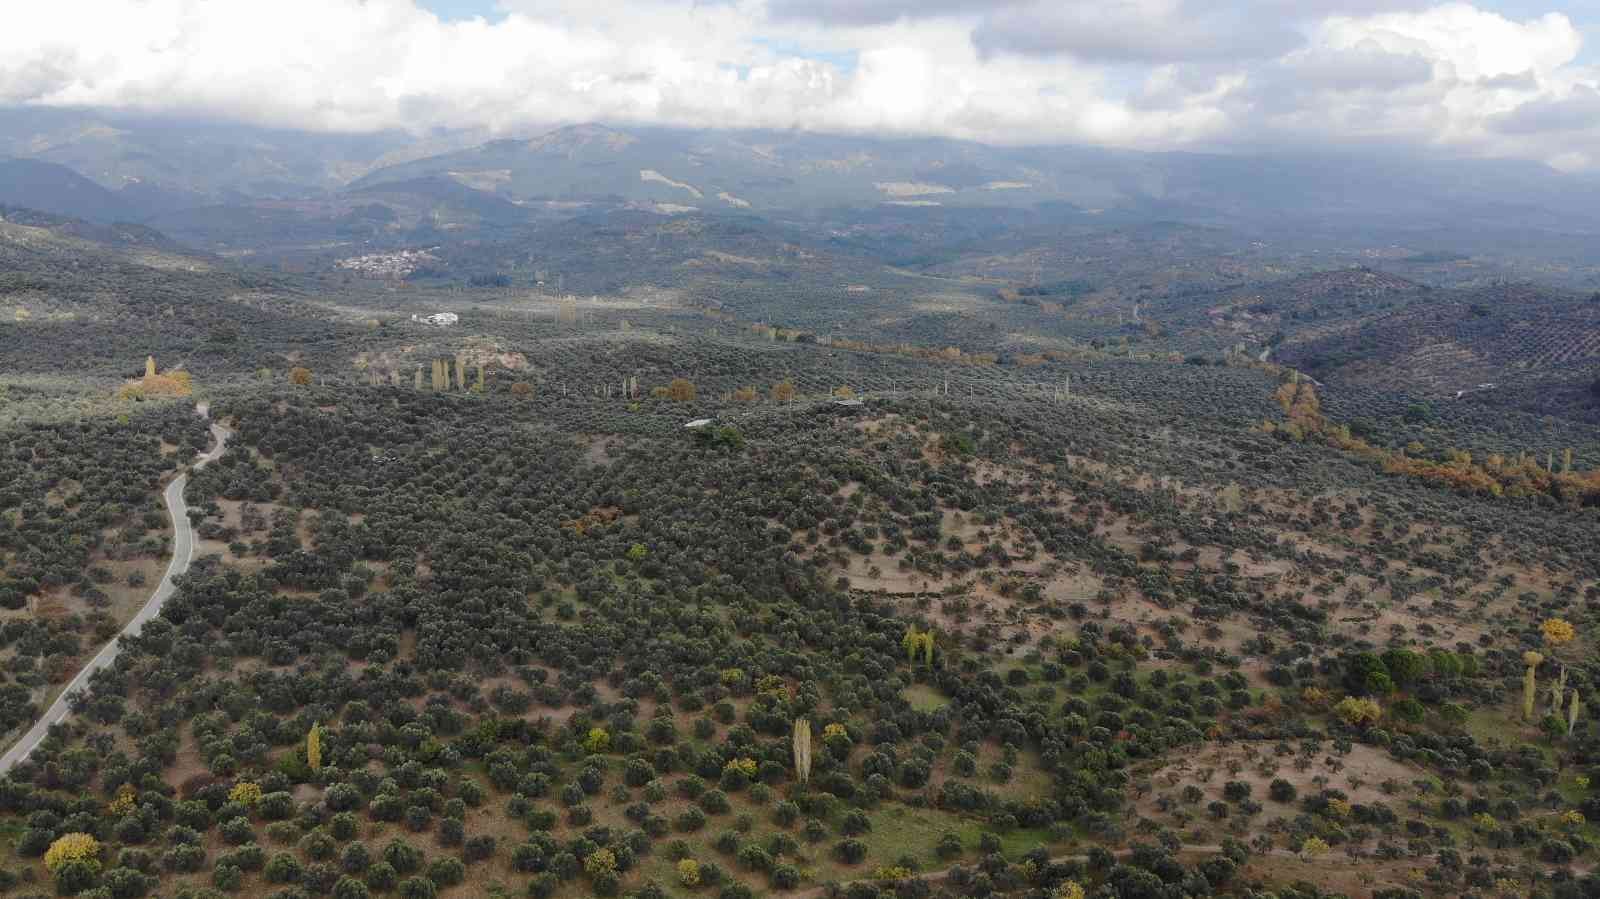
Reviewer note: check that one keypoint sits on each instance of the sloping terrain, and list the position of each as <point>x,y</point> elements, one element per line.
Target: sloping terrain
<point>1537,348</point>
<point>59,190</point>
<point>93,301</point>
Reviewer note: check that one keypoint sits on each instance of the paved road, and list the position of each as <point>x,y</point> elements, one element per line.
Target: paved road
<point>182,554</point>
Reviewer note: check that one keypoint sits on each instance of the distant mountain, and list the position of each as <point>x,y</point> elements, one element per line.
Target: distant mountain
<point>57,189</point>
<point>427,209</point>
<point>441,199</point>
<point>165,164</point>
<point>772,171</point>
<point>239,189</point>
<point>763,171</point>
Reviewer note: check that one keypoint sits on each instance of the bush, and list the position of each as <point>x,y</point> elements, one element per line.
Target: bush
<point>382,877</point>
<point>856,823</point>
<point>69,848</point>
<point>403,857</point>
<point>850,852</point>
<point>785,877</point>
<point>126,883</point>
<point>275,806</point>
<point>355,858</point>
<point>479,848</point>
<point>690,819</point>
<point>543,886</point>
<point>283,868</point>
<point>227,878</point>
<point>75,875</point>
<point>689,873</point>
<point>417,888</point>
<point>446,872</point>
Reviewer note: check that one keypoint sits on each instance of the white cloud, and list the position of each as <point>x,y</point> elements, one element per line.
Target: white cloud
<point>1019,71</point>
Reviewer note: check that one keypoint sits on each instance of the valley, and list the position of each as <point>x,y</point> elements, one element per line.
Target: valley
<point>630,512</point>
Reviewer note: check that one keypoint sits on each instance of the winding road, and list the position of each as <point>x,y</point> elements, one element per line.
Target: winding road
<point>182,555</point>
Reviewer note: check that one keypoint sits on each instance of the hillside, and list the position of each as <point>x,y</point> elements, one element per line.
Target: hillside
<point>91,301</point>
<point>1538,348</point>
<point>766,171</point>
<point>57,189</point>
<point>520,630</point>
<point>584,533</point>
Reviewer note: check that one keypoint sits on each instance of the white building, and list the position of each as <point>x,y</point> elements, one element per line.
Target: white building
<point>441,319</point>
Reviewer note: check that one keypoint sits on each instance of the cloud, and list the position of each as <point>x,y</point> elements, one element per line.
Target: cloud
<point>881,12</point>
<point>1156,74</point>
<point>1144,31</point>
<point>1366,66</point>
<point>1578,111</point>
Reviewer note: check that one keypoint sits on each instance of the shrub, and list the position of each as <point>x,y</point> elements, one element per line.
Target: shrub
<point>479,848</point>
<point>125,883</point>
<point>599,862</point>
<point>382,877</point>
<point>446,872</point>
<point>69,848</point>
<point>690,819</point>
<point>785,877</point>
<point>355,859</point>
<point>715,802</point>
<point>689,873</point>
<point>227,878</point>
<point>1358,712</point>
<point>349,888</point>
<point>417,888</point>
<point>543,886</point>
<point>75,875</point>
<point>850,852</point>
<point>283,868</point>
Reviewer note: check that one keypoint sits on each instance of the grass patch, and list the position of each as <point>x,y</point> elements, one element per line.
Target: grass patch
<point>925,698</point>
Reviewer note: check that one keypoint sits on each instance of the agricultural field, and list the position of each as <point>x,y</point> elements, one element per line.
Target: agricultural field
<point>960,584</point>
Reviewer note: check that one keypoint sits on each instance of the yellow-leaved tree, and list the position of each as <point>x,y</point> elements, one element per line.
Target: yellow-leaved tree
<point>802,750</point>
<point>1530,682</point>
<point>1558,632</point>
<point>127,799</point>
<point>71,847</point>
<point>245,793</point>
<point>314,748</point>
<point>681,390</point>
<point>1358,712</point>
<point>689,873</point>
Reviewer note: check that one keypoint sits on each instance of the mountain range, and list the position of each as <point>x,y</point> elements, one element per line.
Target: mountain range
<point>147,170</point>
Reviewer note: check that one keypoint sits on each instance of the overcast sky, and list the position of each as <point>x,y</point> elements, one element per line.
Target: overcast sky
<point>1515,78</point>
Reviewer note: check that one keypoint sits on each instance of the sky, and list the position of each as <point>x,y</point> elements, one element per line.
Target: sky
<point>1502,78</point>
